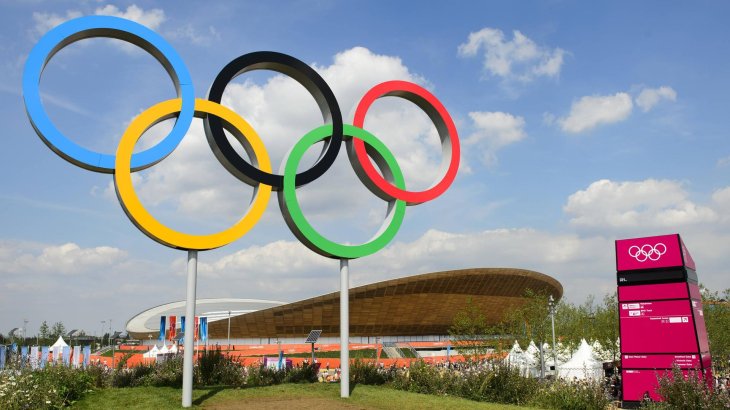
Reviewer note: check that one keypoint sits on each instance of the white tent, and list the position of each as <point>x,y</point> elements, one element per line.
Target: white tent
<point>583,365</point>
<point>164,349</point>
<point>173,349</point>
<point>57,348</point>
<point>152,353</point>
<point>532,359</point>
<point>516,356</point>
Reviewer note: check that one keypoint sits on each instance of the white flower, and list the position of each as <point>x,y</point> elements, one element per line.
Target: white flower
<point>48,402</point>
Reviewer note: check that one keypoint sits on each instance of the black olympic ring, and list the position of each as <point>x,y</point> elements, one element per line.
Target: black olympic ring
<point>306,76</point>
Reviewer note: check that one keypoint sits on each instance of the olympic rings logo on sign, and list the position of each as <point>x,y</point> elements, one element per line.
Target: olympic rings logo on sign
<point>647,252</point>
<point>363,148</point>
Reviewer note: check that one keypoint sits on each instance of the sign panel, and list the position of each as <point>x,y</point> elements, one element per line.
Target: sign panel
<point>653,292</point>
<point>657,327</point>
<point>660,361</point>
<point>651,252</point>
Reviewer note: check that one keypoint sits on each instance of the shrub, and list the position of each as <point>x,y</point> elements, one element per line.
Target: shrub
<point>263,376</point>
<point>560,394</point>
<point>504,384</point>
<point>367,373</point>
<point>51,388</point>
<point>691,392</point>
<point>215,368</point>
<point>422,378</point>
<point>307,373</point>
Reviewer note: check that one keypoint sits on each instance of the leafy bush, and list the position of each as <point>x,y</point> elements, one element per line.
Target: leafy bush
<point>51,388</point>
<point>307,373</point>
<point>691,392</point>
<point>422,378</point>
<point>504,384</point>
<point>367,373</point>
<point>215,368</point>
<point>564,395</point>
<point>263,376</point>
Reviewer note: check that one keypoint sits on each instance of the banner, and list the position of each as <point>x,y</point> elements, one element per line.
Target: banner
<point>204,328</point>
<point>162,328</point>
<point>34,357</point>
<point>173,327</point>
<point>66,355</point>
<point>87,356</point>
<point>2,356</point>
<point>197,328</point>
<point>23,356</point>
<point>44,356</point>
<point>182,324</point>
<point>76,356</point>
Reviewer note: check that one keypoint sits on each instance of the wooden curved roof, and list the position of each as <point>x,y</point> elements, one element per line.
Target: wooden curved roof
<point>415,305</point>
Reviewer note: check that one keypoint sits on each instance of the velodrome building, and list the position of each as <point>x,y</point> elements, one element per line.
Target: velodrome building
<point>413,308</point>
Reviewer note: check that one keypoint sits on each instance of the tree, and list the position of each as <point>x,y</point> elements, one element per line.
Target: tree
<point>606,325</point>
<point>716,307</point>
<point>530,322</point>
<point>469,331</point>
<point>44,333</point>
<point>57,330</point>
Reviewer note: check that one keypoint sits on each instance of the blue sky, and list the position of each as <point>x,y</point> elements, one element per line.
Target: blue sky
<point>580,122</point>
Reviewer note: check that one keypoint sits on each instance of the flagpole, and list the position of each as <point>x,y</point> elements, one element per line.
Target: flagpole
<point>344,329</point>
<point>187,393</point>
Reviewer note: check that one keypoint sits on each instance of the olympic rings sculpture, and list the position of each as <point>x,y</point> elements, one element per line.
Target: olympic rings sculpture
<point>363,148</point>
<point>647,252</point>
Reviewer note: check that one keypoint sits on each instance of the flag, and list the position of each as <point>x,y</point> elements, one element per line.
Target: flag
<point>87,356</point>
<point>197,328</point>
<point>280,365</point>
<point>23,356</point>
<point>76,356</point>
<point>173,327</point>
<point>66,355</point>
<point>2,357</point>
<point>44,356</point>
<point>34,357</point>
<point>182,324</point>
<point>162,328</point>
<point>204,328</point>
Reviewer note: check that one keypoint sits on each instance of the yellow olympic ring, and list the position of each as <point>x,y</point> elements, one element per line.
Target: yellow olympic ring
<point>144,220</point>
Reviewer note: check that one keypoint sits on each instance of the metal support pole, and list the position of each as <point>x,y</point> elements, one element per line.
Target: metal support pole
<point>229,330</point>
<point>187,393</point>
<point>344,329</point>
<point>552,319</point>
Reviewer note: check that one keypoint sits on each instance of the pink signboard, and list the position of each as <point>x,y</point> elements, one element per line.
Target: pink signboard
<point>660,361</point>
<point>657,327</point>
<point>649,253</point>
<point>688,261</point>
<point>637,383</point>
<point>652,292</point>
<point>700,325</point>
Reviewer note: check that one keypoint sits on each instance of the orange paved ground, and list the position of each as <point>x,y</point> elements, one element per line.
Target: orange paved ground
<point>251,354</point>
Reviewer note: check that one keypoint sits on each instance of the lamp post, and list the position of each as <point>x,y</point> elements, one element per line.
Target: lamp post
<point>101,335</point>
<point>551,306</point>
<point>111,342</point>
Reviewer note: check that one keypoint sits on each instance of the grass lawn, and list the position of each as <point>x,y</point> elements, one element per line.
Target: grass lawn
<point>285,396</point>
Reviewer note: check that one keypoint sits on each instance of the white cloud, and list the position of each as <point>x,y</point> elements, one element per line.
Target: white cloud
<point>649,97</point>
<point>494,130</point>
<point>636,206</point>
<point>189,33</point>
<point>281,111</point>
<point>46,21</point>
<point>151,18</point>
<point>69,258</point>
<point>592,111</point>
<point>518,59</point>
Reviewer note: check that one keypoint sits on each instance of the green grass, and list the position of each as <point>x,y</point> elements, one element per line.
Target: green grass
<point>286,396</point>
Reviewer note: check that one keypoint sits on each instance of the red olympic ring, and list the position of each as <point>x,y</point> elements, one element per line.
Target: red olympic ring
<point>451,153</point>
